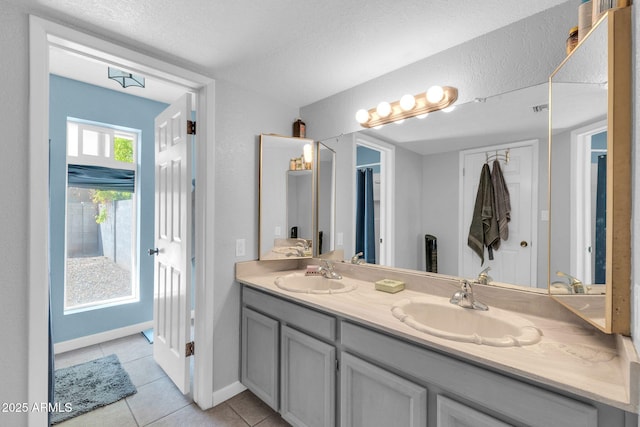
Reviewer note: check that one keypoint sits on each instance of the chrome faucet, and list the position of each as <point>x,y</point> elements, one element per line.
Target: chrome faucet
<point>356,258</point>
<point>483,277</point>
<point>574,286</point>
<point>327,271</point>
<point>303,243</point>
<point>464,297</point>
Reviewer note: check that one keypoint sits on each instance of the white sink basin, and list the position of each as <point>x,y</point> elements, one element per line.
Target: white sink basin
<point>495,327</point>
<point>298,282</point>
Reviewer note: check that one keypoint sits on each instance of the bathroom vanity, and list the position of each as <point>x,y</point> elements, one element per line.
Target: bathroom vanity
<point>325,359</point>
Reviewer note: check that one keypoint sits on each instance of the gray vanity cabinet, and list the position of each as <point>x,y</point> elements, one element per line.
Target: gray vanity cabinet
<point>371,396</point>
<point>289,358</point>
<point>307,379</point>
<point>260,356</point>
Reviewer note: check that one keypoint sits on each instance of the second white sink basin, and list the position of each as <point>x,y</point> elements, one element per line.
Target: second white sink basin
<point>495,327</point>
<point>298,282</point>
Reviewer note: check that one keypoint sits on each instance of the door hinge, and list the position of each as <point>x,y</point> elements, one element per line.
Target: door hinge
<point>191,127</point>
<point>189,349</point>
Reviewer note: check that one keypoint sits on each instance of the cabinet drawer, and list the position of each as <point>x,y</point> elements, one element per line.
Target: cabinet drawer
<point>318,324</point>
<point>513,399</point>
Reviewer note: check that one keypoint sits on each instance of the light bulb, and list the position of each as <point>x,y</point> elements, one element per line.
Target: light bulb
<point>399,122</point>
<point>362,116</point>
<point>407,102</point>
<point>383,109</point>
<point>435,94</point>
<point>308,156</point>
<point>449,109</point>
<point>422,116</point>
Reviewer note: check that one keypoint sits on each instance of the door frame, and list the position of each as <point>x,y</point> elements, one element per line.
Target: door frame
<point>463,229</point>
<point>580,258</point>
<point>387,195</point>
<point>42,35</point>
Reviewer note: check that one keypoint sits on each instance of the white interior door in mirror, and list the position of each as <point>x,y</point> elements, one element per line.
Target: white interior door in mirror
<point>515,261</point>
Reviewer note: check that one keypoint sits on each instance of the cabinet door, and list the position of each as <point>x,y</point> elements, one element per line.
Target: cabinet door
<point>371,396</point>
<point>455,414</point>
<point>307,380</point>
<point>260,356</point>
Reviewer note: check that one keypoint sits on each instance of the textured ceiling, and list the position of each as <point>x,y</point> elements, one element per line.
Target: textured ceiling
<point>294,51</point>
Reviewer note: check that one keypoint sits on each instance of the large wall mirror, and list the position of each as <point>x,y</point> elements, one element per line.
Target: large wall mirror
<point>287,194</point>
<point>425,175</point>
<point>590,187</point>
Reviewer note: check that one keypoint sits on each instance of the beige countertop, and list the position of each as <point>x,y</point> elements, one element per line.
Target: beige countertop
<point>571,355</point>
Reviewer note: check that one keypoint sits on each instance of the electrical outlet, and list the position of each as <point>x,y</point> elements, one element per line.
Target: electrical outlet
<point>240,247</point>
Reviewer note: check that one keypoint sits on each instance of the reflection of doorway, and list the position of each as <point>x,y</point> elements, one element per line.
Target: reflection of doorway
<point>515,261</point>
<point>380,156</point>
<point>587,240</point>
<point>43,36</point>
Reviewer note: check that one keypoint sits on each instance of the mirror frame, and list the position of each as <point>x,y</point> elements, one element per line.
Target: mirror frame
<point>313,195</point>
<point>617,304</point>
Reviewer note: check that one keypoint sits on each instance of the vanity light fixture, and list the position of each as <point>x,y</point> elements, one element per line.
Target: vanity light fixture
<point>307,154</point>
<point>434,99</point>
<point>124,78</point>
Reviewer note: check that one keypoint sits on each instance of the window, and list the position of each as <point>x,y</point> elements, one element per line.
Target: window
<point>101,217</point>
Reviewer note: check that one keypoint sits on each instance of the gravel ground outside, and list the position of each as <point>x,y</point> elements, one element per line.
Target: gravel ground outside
<point>94,279</point>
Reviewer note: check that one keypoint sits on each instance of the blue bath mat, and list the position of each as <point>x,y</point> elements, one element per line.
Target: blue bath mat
<point>82,388</point>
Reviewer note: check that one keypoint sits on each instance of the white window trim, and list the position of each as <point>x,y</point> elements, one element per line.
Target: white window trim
<point>107,161</point>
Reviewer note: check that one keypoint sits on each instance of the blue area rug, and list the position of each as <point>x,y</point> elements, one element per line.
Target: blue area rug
<point>148,334</point>
<point>82,388</point>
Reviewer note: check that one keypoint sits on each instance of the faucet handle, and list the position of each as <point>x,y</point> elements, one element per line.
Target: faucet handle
<point>356,258</point>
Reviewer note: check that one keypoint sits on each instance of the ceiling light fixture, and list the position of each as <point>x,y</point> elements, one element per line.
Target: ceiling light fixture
<point>125,79</point>
<point>436,98</point>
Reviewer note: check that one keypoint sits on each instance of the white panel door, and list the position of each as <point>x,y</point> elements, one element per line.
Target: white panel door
<point>172,269</point>
<point>513,261</point>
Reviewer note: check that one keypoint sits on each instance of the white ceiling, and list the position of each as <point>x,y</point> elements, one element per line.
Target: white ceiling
<point>294,51</point>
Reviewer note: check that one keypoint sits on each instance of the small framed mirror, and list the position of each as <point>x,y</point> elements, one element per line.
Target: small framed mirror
<point>287,197</point>
<point>590,176</point>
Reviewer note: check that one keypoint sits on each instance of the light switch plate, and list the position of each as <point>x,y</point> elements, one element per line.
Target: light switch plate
<point>240,247</point>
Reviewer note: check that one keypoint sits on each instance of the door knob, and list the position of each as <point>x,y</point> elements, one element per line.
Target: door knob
<point>524,244</point>
<point>153,252</point>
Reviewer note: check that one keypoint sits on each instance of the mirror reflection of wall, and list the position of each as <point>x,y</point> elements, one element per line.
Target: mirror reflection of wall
<point>299,215</point>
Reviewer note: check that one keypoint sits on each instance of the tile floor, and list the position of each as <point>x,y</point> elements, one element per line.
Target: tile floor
<point>158,402</point>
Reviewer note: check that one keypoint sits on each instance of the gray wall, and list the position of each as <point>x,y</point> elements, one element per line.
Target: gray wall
<point>238,125</point>
<point>14,93</point>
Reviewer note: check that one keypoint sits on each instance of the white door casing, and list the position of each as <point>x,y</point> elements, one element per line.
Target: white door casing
<point>42,35</point>
<point>515,261</point>
<point>172,269</point>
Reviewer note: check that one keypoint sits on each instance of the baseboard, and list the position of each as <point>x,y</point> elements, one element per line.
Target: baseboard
<point>227,392</point>
<point>101,337</point>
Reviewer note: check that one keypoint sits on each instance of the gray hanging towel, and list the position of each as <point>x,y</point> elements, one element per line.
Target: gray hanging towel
<point>502,200</point>
<point>484,227</point>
